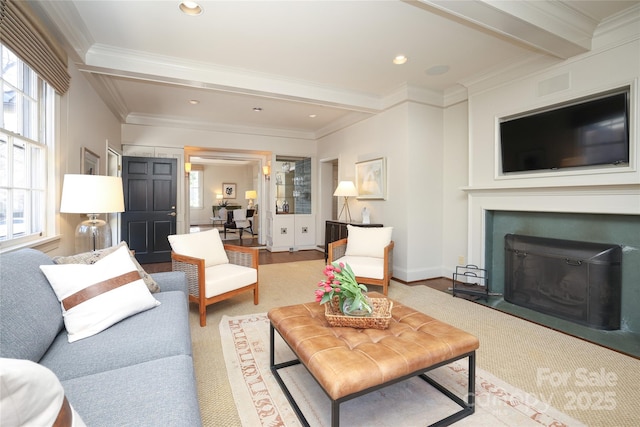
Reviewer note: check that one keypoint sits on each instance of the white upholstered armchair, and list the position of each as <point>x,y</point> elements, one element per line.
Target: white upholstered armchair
<point>369,252</point>
<point>215,272</point>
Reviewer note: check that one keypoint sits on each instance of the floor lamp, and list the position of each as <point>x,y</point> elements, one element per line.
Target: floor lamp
<point>92,195</point>
<point>346,189</point>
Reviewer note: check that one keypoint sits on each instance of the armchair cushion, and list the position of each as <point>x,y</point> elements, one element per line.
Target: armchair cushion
<point>240,218</point>
<point>205,244</point>
<point>364,266</point>
<point>228,277</point>
<point>367,241</point>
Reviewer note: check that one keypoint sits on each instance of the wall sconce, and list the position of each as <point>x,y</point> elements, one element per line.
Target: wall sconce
<point>266,171</point>
<point>187,168</point>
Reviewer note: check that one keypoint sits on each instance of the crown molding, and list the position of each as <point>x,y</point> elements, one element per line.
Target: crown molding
<point>63,19</point>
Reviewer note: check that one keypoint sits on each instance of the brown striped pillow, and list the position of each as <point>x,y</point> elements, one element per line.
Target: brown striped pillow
<point>96,296</point>
<point>95,256</point>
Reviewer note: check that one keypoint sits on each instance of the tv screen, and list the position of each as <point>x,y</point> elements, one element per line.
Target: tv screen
<point>593,131</point>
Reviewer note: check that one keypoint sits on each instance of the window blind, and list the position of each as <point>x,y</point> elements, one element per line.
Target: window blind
<point>23,33</point>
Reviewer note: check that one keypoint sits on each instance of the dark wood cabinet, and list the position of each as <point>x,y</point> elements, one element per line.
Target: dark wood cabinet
<point>336,230</point>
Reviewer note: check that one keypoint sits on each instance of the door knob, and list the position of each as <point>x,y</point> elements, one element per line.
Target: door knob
<point>172,214</point>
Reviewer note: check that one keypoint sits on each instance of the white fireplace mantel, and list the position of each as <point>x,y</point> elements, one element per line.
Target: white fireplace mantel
<point>620,199</point>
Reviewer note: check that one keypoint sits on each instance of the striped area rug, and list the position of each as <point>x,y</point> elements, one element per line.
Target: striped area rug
<point>260,402</point>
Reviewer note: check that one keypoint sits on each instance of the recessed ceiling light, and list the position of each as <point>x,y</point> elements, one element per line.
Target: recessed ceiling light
<point>194,102</point>
<point>257,109</point>
<point>313,116</point>
<point>400,59</point>
<point>190,8</point>
<point>437,70</point>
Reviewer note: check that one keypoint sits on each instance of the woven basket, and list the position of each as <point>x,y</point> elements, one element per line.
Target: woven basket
<point>379,319</point>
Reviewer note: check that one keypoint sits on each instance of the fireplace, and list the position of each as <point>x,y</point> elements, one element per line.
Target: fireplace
<point>572,280</point>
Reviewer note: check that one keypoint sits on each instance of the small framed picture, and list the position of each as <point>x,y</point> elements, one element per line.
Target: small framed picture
<point>90,162</point>
<point>371,179</point>
<point>228,190</point>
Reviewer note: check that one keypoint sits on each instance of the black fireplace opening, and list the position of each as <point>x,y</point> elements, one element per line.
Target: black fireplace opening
<point>576,281</point>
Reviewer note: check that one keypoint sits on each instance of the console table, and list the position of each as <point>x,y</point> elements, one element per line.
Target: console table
<point>336,230</point>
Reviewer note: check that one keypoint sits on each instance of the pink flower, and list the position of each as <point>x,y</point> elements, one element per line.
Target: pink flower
<point>342,265</point>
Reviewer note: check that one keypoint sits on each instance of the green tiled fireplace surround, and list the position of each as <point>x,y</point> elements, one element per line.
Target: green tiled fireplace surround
<point>623,230</point>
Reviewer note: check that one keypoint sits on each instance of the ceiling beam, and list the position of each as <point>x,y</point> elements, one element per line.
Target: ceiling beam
<point>552,27</point>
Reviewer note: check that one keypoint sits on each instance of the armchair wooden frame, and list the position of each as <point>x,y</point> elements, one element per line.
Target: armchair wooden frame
<point>338,249</point>
<point>194,269</point>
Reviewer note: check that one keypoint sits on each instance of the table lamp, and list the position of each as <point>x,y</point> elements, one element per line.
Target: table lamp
<point>250,195</point>
<point>346,189</point>
<point>92,195</point>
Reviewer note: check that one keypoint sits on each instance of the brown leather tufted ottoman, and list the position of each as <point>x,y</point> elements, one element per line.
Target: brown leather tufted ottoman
<point>370,359</point>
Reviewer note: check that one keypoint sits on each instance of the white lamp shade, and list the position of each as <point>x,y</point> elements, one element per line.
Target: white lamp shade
<point>92,194</point>
<point>250,194</point>
<point>346,189</point>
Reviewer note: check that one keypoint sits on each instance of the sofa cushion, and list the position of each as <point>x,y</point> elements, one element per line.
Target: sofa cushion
<point>98,295</point>
<point>205,244</point>
<point>160,392</point>
<point>30,317</point>
<point>367,241</point>
<point>152,334</point>
<point>31,395</point>
<point>95,256</point>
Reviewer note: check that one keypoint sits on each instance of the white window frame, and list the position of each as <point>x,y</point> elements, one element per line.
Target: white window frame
<point>198,176</point>
<point>39,203</point>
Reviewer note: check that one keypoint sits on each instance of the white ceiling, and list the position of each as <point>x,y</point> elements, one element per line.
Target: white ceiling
<point>297,58</point>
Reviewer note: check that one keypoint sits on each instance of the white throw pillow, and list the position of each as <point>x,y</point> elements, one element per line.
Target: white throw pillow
<point>95,256</point>
<point>367,241</point>
<point>31,395</point>
<point>96,296</point>
<point>205,244</point>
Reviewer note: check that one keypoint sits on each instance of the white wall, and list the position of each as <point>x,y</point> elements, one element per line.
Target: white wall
<point>409,136</point>
<point>455,177</point>
<point>588,74</point>
<point>85,122</point>
<point>608,190</point>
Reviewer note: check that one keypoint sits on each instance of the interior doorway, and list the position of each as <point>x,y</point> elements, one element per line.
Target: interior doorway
<point>243,172</point>
<point>328,203</point>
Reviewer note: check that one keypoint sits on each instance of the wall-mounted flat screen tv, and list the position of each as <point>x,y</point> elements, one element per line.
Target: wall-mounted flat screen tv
<point>586,132</point>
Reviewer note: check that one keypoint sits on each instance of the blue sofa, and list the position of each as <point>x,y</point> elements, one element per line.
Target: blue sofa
<point>138,372</point>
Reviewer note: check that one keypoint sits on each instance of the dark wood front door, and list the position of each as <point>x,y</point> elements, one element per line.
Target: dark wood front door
<point>150,206</point>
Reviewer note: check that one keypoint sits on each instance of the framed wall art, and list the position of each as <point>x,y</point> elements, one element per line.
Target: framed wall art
<point>90,162</point>
<point>371,179</point>
<point>228,190</point>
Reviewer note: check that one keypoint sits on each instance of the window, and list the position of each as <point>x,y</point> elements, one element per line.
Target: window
<point>26,136</point>
<point>195,189</point>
